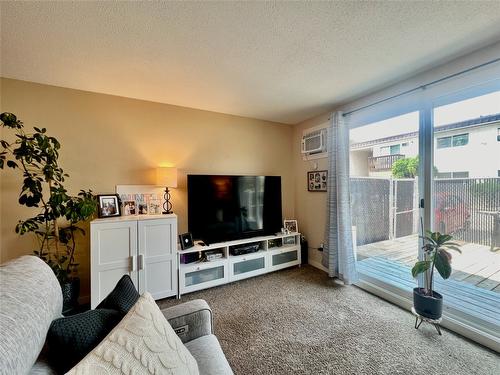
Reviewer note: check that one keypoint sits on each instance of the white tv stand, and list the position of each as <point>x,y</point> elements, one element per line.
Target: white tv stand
<point>275,252</point>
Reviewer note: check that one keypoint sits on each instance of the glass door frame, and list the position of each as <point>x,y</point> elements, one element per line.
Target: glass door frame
<point>453,319</point>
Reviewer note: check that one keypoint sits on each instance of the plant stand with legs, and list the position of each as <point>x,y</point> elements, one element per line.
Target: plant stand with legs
<point>434,322</point>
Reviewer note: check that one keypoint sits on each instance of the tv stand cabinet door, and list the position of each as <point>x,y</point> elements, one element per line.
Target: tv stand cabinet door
<point>248,265</point>
<point>113,254</point>
<point>158,257</point>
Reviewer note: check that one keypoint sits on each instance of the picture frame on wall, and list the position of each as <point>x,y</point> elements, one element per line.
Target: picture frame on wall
<point>109,205</point>
<point>317,181</point>
<point>291,226</point>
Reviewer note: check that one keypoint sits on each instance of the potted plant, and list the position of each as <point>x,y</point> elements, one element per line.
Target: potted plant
<point>36,155</point>
<point>426,301</point>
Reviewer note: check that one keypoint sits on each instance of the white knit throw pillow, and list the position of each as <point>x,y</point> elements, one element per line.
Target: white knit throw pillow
<point>142,343</point>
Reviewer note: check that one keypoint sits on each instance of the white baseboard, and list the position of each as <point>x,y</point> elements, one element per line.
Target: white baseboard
<point>317,265</point>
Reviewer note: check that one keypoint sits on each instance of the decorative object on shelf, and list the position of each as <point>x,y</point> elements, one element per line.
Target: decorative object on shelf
<point>154,205</point>
<point>36,156</point>
<point>317,180</point>
<point>109,205</point>
<point>129,207</point>
<point>426,301</point>
<point>291,226</point>
<point>186,240</point>
<point>167,176</point>
<point>212,255</point>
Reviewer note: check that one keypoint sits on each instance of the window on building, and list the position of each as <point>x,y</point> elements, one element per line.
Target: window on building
<point>443,175</point>
<point>395,149</point>
<point>452,175</point>
<point>453,141</point>
<point>460,140</point>
<point>444,142</point>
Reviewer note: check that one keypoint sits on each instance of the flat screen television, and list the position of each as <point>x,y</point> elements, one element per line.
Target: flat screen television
<point>224,208</point>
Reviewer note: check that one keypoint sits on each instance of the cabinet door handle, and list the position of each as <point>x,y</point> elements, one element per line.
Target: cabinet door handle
<point>141,261</point>
<point>133,264</point>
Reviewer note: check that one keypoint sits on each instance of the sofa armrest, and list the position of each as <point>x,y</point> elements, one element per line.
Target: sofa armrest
<point>190,320</point>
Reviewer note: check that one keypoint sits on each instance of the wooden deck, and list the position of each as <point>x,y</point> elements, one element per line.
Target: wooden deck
<point>477,266</point>
<point>479,307</point>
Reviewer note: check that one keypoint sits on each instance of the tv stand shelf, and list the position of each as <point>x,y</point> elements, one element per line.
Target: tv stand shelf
<point>275,252</point>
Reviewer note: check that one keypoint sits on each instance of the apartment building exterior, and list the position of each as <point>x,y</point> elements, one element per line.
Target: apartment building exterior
<point>460,150</point>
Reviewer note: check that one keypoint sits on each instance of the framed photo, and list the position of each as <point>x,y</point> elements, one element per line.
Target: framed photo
<point>291,226</point>
<point>109,205</point>
<point>142,208</point>
<point>154,206</point>
<point>317,180</point>
<point>186,240</point>
<point>129,208</point>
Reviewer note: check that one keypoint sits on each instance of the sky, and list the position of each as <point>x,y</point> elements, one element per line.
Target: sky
<point>459,111</point>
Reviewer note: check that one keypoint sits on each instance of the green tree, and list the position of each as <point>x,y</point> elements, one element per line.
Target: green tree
<point>35,155</point>
<point>405,168</point>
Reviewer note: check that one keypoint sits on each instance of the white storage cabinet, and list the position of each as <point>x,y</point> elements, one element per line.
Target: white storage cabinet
<point>144,247</point>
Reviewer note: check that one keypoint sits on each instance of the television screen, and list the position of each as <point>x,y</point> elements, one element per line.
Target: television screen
<point>223,208</point>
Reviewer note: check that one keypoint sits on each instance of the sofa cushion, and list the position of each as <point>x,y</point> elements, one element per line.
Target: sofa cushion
<point>30,298</point>
<point>122,297</point>
<point>209,355</point>
<point>71,338</point>
<point>142,343</point>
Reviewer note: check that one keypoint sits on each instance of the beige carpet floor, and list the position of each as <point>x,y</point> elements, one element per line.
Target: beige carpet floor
<point>297,321</point>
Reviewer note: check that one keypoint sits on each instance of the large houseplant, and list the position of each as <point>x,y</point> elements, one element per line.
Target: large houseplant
<point>55,225</point>
<point>426,301</point>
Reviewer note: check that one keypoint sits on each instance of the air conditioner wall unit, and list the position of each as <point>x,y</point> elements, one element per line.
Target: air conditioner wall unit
<point>314,142</point>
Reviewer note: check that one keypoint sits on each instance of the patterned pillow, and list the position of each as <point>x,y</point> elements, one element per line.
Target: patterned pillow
<point>71,338</point>
<point>122,297</point>
<point>142,343</point>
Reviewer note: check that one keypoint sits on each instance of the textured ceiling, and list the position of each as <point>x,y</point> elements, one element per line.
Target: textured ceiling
<point>277,61</point>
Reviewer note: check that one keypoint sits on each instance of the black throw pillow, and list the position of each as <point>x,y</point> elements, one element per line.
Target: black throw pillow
<point>71,338</point>
<point>122,297</point>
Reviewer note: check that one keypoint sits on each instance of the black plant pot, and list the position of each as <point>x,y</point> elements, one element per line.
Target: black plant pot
<point>429,306</point>
<point>70,292</point>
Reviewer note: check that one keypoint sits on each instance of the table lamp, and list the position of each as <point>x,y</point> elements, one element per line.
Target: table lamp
<point>167,176</point>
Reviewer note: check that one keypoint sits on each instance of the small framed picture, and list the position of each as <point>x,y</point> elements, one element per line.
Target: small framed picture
<point>142,208</point>
<point>129,208</point>
<point>154,206</point>
<point>109,205</point>
<point>186,240</point>
<point>317,180</point>
<point>291,226</point>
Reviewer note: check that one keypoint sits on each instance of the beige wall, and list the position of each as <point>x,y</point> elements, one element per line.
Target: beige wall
<point>310,208</point>
<point>108,140</point>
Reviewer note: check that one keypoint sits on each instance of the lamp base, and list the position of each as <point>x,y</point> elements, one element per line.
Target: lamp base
<point>167,205</point>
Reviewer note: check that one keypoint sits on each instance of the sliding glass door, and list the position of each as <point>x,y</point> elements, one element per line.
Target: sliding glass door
<point>384,199</point>
<point>466,203</point>
<point>454,187</point>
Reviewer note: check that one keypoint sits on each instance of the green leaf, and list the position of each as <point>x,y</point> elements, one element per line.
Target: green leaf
<point>453,248</point>
<point>442,263</point>
<point>420,267</point>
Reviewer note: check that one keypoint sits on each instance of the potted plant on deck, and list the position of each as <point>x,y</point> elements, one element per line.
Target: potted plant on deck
<point>55,225</point>
<point>426,301</point>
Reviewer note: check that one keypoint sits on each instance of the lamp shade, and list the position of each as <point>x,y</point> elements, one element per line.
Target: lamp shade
<point>166,176</point>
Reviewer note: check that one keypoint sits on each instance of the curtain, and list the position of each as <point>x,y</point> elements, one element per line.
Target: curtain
<point>338,254</point>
